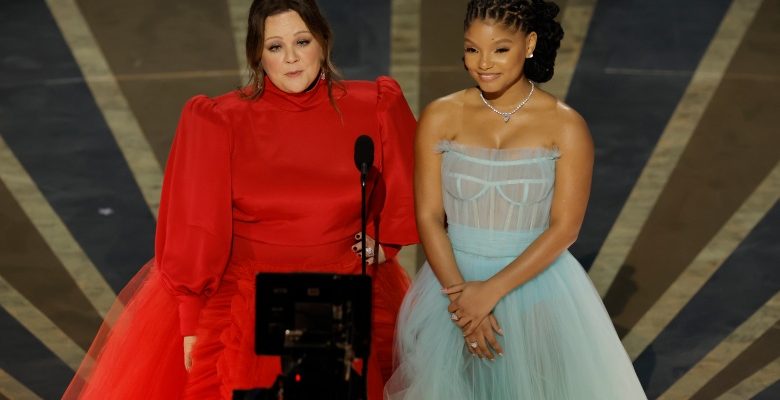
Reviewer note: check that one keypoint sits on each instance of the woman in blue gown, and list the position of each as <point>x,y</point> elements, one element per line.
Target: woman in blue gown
<point>502,310</point>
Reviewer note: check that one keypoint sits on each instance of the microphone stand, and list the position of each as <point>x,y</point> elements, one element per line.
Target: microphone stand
<point>364,158</point>
<point>363,216</point>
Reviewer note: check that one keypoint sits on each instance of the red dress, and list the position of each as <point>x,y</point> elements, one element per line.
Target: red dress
<point>265,185</point>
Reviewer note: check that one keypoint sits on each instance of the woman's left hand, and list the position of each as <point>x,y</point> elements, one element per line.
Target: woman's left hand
<point>477,299</point>
<point>371,248</point>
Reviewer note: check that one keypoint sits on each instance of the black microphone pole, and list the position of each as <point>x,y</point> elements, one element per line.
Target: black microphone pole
<point>363,216</point>
<point>364,159</point>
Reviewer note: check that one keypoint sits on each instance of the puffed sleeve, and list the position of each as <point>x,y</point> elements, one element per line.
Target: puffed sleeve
<point>397,130</point>
<point>194,229</point>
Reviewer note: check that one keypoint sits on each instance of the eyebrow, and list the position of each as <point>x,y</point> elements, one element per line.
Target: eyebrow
<point>504,40</point>
<point>279,37</point>
<point>496,42</point>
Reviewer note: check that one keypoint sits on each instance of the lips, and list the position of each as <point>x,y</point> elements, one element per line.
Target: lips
<point>488,77</point>
<point>293,74</point>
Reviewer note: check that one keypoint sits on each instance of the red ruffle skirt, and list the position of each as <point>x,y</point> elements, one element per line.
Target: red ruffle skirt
<point>138,354</point>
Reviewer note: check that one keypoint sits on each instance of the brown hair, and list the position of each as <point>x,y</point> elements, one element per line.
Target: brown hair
<point>314,20</point>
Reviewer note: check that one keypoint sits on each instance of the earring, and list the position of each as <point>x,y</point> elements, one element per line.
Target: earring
<point>531,56</point>
<point>322,75</point>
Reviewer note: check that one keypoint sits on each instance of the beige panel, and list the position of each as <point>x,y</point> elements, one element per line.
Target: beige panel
<point>178,38</point>
<point>239,14</point>
<point>575,20</point>
<point>728,350</point>
<point>405,37</point>
<point>31,267</point>
<point>672,143</point>
<point>40,325</point>
<point>13,389</point>
<point>718,170</point>
<point>110,100</point>
<point>757,356</point>
<point>441,49</point>
<point>54,232</point>
<point>755,384</point>
<point>704,265</point>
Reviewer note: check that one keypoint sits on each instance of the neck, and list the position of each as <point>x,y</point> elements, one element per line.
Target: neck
<point>511,95</point>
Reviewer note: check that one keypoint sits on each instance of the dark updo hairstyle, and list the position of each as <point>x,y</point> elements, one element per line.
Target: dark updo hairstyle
<point>529,16</point>
<point>314,20</point>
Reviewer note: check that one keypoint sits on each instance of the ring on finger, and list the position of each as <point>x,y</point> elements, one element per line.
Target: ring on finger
<point>454,316</point>
<point>370,252</point>
<point>473,344</point>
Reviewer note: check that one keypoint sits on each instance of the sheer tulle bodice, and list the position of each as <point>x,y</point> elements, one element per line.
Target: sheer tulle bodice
<point>506,190</point>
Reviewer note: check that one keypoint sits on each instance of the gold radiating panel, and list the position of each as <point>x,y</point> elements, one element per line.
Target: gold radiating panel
<point>110,100</point>
<point>575,19</point>
<point>755,384</point>
<point>13,389</point>
<point>54,232</point>
<point>40,325</point>
<point>704,265</point>
<point>672,143</point>
<point>723,354</point>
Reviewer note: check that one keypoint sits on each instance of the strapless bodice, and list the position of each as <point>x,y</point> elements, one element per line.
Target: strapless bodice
<point>497,189</point>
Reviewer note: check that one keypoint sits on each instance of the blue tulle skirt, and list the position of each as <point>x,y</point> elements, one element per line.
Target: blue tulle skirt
<point>558,342</point>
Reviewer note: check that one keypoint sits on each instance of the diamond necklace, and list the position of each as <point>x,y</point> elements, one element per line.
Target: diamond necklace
<point>508,114</point>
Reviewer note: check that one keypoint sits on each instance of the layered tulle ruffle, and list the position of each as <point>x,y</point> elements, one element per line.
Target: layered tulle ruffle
<point>558,342</point>
<point>138,351</point>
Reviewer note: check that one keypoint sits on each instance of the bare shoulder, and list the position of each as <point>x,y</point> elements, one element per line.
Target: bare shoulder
<point>567,125</point>
<point>440,116</point>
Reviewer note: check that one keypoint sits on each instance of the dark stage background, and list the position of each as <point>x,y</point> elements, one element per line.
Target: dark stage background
<point>682,236</point>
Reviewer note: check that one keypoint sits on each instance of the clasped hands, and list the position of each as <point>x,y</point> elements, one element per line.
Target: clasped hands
<point>471,309</point>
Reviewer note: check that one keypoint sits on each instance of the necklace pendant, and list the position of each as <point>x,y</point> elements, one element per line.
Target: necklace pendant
<point>506,118</point>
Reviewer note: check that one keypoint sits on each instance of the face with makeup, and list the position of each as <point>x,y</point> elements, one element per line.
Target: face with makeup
<point>291,57</point>
<point>495,55</point>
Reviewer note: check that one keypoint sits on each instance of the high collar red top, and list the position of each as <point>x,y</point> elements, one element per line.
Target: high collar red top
<point>303,101</point>
<point>271,184</point>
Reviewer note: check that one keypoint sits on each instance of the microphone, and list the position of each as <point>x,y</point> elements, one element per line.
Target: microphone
<point>364,153</point>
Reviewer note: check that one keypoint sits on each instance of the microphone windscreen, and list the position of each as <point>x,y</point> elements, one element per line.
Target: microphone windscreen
<point>364,152</point>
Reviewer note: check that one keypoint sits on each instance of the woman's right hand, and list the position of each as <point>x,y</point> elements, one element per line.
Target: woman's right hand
<point>189,343</point>
<point>484,336</point>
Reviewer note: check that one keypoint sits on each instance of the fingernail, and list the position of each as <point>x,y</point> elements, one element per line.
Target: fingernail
<point>500,354</point>
<point>500,331</point>
<point>444,290</point>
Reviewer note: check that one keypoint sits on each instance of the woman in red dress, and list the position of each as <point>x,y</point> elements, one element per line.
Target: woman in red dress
<point>261,180</point>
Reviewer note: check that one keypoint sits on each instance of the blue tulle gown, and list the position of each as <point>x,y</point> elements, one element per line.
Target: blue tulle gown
<point>559,342</point>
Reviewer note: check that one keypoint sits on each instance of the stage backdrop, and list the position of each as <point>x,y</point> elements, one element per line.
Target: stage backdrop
<point>682,98</point>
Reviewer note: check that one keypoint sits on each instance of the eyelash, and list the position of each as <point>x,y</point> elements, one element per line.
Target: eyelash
<point>499,50</point>
<point>302,43</point>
